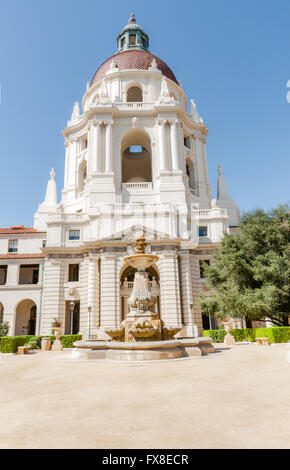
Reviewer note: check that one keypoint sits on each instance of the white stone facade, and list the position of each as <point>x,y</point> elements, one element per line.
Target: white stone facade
<point>129,166</point>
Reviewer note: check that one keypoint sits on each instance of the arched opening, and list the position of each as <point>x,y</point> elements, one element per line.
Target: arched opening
<point>126,286</point>
<point>82,176</point>
<point>136,157</point>
<point>191,174</point>
<point>25,320</point>
<point>134,94</point>
<point>1,313</point>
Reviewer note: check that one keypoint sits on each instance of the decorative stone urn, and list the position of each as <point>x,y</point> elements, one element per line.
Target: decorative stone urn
<point>141,324</point>
<point>45,344</point>
<point>57,344</point>
<point>229,339</point>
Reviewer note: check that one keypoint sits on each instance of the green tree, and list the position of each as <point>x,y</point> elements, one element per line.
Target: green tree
<point>209,306</point>
<point>4,328</point>
<point>251,275</point>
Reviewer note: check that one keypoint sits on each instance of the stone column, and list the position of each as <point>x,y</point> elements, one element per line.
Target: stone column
<point>162,145</point>
<point>174,145</point>
<point>202,176</point>
<point>66,167</point>
<point>96,147</point>
<point>110,295</point>
<point>169,289</point>
<point>90,148</point>
<point>186,290</point>
<point>109,153</point>
<point>92,292</point>
<point>53,300</point>
<point>72,162</point>
<point>196,293</point>
<point>181,147</point>
<point>12,274</point>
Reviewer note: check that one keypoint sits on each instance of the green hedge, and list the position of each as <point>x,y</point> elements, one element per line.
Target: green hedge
<point>216,335</point>
<point>9,344</point>
<point>68,340</point>
<point>275,335</point>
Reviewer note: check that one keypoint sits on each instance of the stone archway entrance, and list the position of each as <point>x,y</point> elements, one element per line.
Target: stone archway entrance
<point>25,320</point>
<point>126,285</point>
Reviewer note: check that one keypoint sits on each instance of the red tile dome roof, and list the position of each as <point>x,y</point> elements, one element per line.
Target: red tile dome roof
<point>134,59</point>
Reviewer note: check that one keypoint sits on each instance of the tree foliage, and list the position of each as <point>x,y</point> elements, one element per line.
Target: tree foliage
<point>4,328</point>
<point>251,275</point>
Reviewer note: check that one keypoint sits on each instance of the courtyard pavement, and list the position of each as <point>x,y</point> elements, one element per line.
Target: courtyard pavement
<point>235,398</point>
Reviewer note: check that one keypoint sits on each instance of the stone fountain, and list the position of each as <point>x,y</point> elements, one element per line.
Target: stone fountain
<point>142,335</point>
<point>141,324</point>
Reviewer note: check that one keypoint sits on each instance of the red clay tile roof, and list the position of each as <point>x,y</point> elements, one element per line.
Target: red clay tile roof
<point>22,256</point>
<point>134,59</point>
<point>17,229</point>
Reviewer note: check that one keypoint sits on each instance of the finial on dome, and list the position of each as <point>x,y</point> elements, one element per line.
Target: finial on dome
<point>52,174</point>
<point>132,36</point>
<point>220,170</point>
<point>132,19</point>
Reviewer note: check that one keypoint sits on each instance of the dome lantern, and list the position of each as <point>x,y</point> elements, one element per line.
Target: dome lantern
<point>132,36</point>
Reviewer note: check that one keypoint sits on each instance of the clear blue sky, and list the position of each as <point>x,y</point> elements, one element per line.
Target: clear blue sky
<point>232,57</point>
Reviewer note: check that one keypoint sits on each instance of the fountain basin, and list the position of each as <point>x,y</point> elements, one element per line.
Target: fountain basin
<point>143,351</point>
<point>141,261</point>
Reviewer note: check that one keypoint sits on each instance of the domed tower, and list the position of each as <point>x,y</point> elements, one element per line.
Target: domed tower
<point>134,141</point>
<point>135,160</point>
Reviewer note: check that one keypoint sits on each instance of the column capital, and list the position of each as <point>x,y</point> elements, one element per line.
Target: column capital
<point>162,122</point>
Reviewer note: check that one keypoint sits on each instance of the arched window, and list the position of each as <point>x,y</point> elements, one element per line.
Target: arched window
<point>191,174</point>
<point>82,178</point>
<point>134,94</point>
<point>136,157</point>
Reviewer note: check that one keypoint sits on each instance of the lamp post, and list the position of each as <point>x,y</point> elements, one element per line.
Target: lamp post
<point>89,310</point>
<point>210,325</point>
<point>71,307</point>
<point>191,308</point>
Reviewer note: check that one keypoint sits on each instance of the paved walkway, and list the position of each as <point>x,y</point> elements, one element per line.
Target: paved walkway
<point>235,398</point>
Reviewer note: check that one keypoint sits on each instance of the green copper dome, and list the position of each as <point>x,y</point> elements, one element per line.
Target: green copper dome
<point>132,37</point>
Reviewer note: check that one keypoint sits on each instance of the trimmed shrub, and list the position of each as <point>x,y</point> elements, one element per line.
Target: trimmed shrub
<point>216,335</point>
<point>68,340</point>
<point>244,334</point>
<point>35,342</point>
<point>9,344</point>
<point>279,334</point>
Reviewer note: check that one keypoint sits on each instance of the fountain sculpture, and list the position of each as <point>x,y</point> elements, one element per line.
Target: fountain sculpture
<point>141,324</point>
<point>142,335</point>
